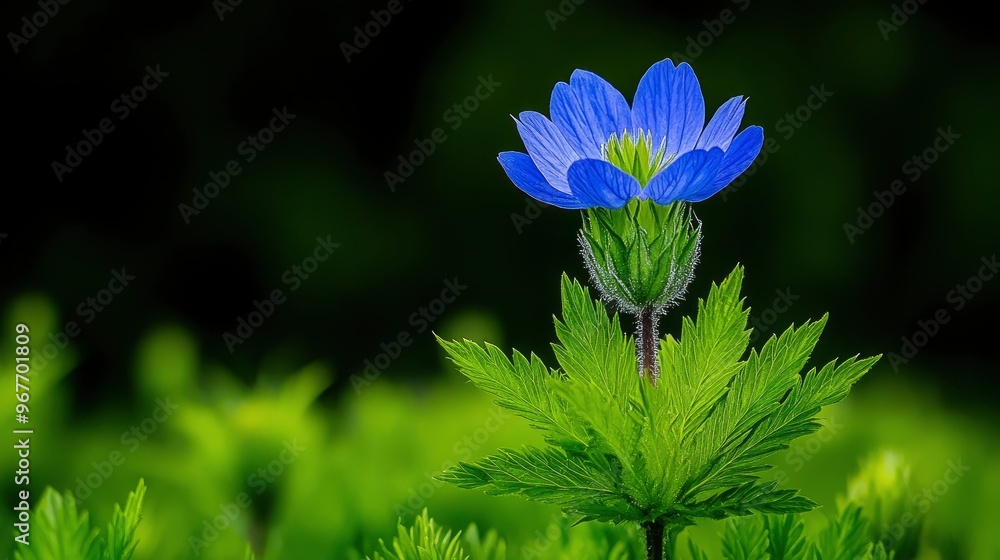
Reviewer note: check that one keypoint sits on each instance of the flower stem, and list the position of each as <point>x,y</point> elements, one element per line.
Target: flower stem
<point>654,540</point>
<point>647,342</point>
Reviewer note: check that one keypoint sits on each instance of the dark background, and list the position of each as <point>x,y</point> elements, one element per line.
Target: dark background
<point>323,175</point>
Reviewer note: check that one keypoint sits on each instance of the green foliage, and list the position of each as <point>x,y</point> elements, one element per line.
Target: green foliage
<point>62,532</point>
<point>845,538</point>
<point>620,450</point>
<point>781,537</point>
<point>758,537</point>
<point>785,537</point>
<point>426,540</point>
<point>197,462</point>
<point>745,539</point>
<point>882,488</point>
<point>121,541</point>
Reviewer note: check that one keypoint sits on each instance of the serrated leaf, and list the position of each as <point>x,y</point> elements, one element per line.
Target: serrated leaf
<point>121,541</point>
<point>425,540</point>
<point>582,485</point>
<point>600,380</point>
<point>793,418</point>
<point>708,355</point>
<point>785,536</point>
<point>696,552</point>
<point>60,531</point>
<point>592,349</point>
<point>878,552</point>
<point>844,538</point>
<point>691,447</point>
<point>760,385</point>
<point>745,539</point>
<point>520,385</point>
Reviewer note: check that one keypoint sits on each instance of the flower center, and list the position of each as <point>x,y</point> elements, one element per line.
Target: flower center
<point>635,154</point>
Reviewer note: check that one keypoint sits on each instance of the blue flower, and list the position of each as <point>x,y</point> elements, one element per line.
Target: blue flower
<point>598,152</point>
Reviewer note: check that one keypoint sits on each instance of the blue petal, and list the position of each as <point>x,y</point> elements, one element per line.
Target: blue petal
<point>525,175</point>
<point>587,110</point>
<point>669,103</point>
<point>686,177</point>
<point>721,129</point>
<point>547,148</point>
<point>741,153</point>
<point>598,183</point>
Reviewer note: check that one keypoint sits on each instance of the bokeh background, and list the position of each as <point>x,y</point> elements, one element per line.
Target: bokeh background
<point>895,78</point>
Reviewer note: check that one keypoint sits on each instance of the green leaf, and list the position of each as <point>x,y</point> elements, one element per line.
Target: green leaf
<point>121,530</point>
<point>726,454</point>
<point>845,537</point>
<point>745,539</point>
<point>601,379</point>
<point>749,498</point>
<point>592,350</point>
<point>878,552</point>
<point>490,547</point>
<point>425,540</point>
<point>786,540</point>
<point>758,388</point>
<point>693,446</point>
<point>696,552</point>
<point>521,386</point>
<point>583,485</point>
<point>794,417</point>
<point>695,372</point>
<point>708,355</point>
<point>60,532</point>
<point>882,488</point>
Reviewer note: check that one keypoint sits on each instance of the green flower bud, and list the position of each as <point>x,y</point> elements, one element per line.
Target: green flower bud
<point>883,489</point>
<point>642,256</point>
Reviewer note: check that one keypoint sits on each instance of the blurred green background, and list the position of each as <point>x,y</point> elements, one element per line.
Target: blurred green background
<point>893,81</point>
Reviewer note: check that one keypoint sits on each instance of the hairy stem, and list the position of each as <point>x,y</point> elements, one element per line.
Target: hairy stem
<point>647,342</point>
<point>654,540</point>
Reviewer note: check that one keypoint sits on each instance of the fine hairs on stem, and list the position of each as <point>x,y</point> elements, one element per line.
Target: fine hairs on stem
<point>647,343</point>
